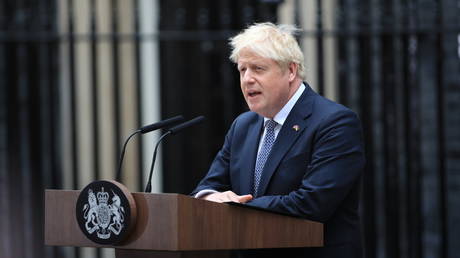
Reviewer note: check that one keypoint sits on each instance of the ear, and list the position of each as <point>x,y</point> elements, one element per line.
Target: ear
<point>292,69</point>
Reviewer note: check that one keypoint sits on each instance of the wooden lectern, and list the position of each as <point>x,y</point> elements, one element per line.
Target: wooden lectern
<point>175,225</point>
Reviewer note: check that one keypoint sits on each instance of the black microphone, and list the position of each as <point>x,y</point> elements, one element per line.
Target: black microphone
<point>161,124</point>
<point>180,127</point>
<point>144,130</point>
<point>173,130</point>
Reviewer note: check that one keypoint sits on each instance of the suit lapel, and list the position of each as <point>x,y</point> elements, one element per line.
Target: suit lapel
<point>287,136</point>
<point>249,155</point>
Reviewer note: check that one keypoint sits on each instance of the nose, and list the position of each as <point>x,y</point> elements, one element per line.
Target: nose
<point>247,77</point>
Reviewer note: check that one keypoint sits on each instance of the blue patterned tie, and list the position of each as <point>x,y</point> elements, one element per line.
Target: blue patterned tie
<point>264,152</point>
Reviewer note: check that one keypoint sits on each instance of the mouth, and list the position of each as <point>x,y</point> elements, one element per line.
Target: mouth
<point>253,93</point>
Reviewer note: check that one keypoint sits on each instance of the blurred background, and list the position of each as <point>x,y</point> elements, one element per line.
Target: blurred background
<point>78,76</point>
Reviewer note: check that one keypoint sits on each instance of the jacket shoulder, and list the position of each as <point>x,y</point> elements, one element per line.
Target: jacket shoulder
<point>324,107</point>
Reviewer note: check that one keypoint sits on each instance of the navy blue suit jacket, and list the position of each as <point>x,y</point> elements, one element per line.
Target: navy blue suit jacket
<point>313,172</point>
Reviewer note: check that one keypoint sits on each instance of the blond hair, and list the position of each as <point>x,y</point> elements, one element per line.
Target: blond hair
<point>268,40</point>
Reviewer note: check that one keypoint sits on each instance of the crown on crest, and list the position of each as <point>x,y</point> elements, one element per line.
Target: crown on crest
<point>102,196</point>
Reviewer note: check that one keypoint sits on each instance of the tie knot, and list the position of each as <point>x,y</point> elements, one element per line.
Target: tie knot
<point>270,125</point>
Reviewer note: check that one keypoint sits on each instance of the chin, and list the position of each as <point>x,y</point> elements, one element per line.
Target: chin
<point>254,109</point>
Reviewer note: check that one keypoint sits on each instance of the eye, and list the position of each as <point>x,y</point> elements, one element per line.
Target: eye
<point>259,68</point>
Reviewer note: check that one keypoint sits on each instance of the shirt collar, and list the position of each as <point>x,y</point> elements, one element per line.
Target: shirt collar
<point>282,115</point>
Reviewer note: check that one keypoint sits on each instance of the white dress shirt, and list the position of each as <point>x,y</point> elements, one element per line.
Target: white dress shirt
<point>282,115</point>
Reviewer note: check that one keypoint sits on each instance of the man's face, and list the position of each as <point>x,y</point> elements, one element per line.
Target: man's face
<point>265,85</point>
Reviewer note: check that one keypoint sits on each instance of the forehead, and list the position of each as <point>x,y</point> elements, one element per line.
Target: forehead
<point>247,57</point>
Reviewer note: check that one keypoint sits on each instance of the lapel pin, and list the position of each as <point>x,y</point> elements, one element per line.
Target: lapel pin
<point>296,128</point>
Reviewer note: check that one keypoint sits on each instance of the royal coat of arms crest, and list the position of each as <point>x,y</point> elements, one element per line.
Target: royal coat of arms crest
<point>105,212</point>
<point>103,217</point>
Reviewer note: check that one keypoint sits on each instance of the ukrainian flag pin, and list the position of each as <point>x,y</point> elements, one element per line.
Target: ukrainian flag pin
<point>296,128</point>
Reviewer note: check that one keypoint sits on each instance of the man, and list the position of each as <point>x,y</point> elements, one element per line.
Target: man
<point>295,152</point>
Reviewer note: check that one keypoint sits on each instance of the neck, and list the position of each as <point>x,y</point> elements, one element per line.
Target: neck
<point>294,85</point>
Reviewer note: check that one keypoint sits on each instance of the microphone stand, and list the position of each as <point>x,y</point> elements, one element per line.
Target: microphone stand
<point>122,155</point>
<point>148,187</point>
